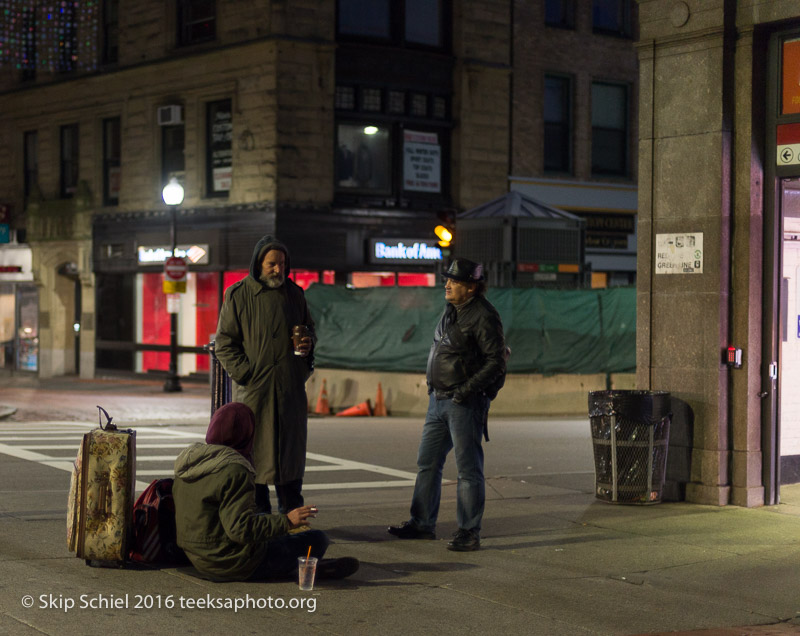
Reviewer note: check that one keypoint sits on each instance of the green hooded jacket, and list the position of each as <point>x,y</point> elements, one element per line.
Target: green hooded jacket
<point>253,342</point>
<point>215,513</point>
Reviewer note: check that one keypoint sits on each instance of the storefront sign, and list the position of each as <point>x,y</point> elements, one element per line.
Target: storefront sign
<point>608,231</point>
<point>787,137</point>
<point>157,254</point>
<point>791,77</point>
<point>403,251</point>
<point>422,159</point>
<point>679,253</point>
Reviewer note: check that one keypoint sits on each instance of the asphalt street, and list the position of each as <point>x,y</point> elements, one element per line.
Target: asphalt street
<point>554,559</point>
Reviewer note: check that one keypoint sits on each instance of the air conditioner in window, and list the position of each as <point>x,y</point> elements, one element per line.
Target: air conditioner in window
<point>170,115</point>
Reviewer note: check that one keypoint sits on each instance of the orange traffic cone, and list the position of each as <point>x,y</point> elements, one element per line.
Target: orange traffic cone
<point>380,405</point>
<point>323,406</point>
<point>359,409</point>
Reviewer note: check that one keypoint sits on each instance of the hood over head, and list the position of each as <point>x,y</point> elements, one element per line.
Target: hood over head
<point>233,425</point>
<point>264,245</point>
<point>200,460</point>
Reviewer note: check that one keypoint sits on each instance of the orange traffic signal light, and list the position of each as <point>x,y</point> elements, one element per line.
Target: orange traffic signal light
<point>445,235</point>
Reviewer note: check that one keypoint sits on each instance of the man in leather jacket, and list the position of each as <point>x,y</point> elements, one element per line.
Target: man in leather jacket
<point>466,365</point>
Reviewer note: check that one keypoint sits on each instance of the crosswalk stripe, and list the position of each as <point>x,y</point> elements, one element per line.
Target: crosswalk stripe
<point>172,439</point>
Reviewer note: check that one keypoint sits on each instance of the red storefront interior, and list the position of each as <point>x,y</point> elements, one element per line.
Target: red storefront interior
<point>206,305</point>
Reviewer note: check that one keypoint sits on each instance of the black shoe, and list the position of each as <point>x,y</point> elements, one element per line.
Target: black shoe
<point>465,541</point>
<point>407,530</point>
<point>337,568</point>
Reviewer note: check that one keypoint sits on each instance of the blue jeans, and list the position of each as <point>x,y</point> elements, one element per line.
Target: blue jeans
<point>449,425</point>
<point>282,553</point>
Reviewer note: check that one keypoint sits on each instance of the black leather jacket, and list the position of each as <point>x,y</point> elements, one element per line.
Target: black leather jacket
<point>468,350</point>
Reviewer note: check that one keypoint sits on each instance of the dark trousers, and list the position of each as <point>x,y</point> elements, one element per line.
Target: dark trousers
<point>282,553</point>
<point>289,496</point>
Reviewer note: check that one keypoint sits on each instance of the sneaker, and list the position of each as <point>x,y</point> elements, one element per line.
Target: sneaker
<point>408,530</point>
<point>464,541</point>
<point>337,568</point>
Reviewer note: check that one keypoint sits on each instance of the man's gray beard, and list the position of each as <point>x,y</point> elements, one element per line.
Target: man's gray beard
<point>273,281</point>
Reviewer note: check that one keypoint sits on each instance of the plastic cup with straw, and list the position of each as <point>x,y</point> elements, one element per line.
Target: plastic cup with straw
<point>306,569</point>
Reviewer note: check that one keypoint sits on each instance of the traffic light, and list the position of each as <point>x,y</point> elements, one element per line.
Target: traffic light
<point>444,234</point>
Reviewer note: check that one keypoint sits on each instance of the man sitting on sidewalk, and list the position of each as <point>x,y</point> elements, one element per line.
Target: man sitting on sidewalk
<point>217,523</point>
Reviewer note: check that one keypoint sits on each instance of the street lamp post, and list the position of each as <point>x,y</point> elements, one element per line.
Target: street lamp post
<point>173,197</point>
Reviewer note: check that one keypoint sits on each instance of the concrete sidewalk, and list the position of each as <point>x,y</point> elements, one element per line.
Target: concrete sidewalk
<point>554,561</point>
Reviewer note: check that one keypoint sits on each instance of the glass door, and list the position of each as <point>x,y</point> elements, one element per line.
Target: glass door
<point>789,336</point>
<point>27,328</point>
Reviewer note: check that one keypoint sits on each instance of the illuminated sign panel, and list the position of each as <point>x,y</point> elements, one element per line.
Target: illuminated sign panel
<point>158,254</point>
<point>790,89</point>
<point>403,251</point>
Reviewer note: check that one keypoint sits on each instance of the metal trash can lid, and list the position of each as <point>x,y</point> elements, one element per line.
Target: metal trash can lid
<point>643,406</point>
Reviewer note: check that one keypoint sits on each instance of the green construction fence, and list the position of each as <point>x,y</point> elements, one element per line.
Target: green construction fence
<point>549,331</point>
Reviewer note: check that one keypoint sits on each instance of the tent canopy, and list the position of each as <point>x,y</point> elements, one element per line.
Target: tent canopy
<point>515,204</point>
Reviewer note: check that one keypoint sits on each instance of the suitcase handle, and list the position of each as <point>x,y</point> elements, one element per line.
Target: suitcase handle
<point>109,426</point>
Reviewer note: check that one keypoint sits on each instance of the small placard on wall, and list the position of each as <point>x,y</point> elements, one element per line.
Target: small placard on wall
<point>680,253</point>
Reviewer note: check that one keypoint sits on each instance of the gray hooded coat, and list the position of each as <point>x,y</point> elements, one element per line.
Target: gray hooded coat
<point>253,342</point>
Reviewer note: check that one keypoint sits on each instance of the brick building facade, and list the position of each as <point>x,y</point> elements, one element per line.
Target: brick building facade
<point>575,87</point>
<point>332,126</point>
<point>245,104</point>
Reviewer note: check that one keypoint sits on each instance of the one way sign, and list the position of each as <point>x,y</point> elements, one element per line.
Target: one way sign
<point>788,139</point>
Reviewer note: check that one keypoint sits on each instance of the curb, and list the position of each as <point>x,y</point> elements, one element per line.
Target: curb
<point>6,411</point>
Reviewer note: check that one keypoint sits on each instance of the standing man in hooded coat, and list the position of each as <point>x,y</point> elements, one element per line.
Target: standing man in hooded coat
<point>254,344</point>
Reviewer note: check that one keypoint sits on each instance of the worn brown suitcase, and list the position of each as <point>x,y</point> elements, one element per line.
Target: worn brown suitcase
<point>100,505</point>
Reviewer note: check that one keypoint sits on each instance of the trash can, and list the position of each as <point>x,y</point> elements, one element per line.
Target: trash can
<point>221,390</point>
<point>630,437</point>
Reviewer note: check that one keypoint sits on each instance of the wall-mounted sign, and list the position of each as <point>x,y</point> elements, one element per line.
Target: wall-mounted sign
<point>403,251</point>
<point>157,254</point>
<point>679,253</point>
<point>422,162</point>
<point>787,137</point>
<point>5,233</point>
<point>790,87</point>
<point>220,145</point>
